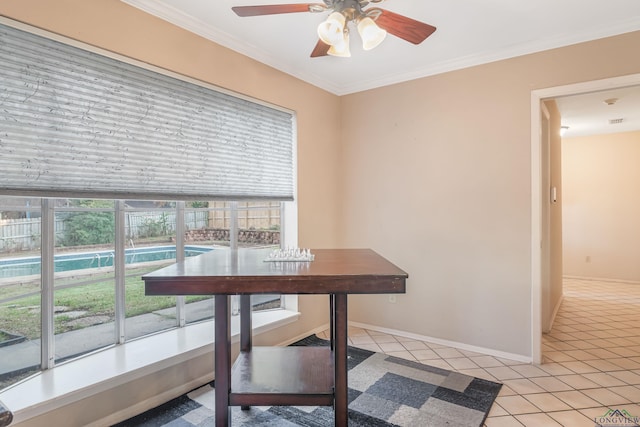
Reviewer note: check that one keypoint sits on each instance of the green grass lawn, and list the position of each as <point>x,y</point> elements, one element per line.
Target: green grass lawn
<point>95,297</point>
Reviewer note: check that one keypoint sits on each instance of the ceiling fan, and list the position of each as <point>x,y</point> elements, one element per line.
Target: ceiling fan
<point>372,24</point>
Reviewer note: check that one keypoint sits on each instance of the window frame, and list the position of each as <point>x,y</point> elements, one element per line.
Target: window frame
<point>288,231</point>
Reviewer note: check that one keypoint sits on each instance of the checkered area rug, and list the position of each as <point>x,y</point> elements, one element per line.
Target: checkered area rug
<point>383,391</point>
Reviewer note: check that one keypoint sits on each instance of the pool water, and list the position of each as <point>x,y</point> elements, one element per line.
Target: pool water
<point>79,261</point>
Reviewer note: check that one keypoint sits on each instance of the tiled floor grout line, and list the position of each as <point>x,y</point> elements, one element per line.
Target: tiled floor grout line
<point>591,360</point>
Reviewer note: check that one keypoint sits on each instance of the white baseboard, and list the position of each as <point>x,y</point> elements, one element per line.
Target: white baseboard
<point>602,279</point>
<point>305,334</point>
<point>157,400</point>
<point>454,344</point>
<point>555,312</point>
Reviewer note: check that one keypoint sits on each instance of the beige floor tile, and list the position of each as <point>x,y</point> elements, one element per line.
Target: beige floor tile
<point>551,384</point>
<point>508,362</point>
<point>572,419</point>
<point>627,376</point>
<point>362,339</point>
<point>547,402</point>
<point>585,335</point>
<point>583,345</point>
<point>391,346</point>
<point>478,373</point>
<point>353,331</point>
<point>402,355</point>
<point>604,380</point>
<point>562,345</point>
<point>606,397</point>
<point>379,339</point>
<point>424,354</point>
<point>505,390</point>
<point>376,333</point>
<point>503,373</point>
<point>438,363</point>
<point>537,420</point>
<point>580,354</point>
<point>469,353</point>
<point>576,381</point>
<point>414,345</point>
<point>625,363</point>
<point>558,356</point>
<point>370,347</point>
<point>602,365</point>
<point>555,369</point>
<point>603,334</point>
<point>497,411</point>
<point>448,352</point>
<point>529,371</point>
<point>461,363</point>
<point>628,391</point>
<point>507,421</point>
<point>324,335</point>
<point>516,405</point>
<point>435,345</point>
<point>624,352</point>
<point>486,361</point>
<point>523,386</point>
<point>576,399</point>
<point>579,367</point>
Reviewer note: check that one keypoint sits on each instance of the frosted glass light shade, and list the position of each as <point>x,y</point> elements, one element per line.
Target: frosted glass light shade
<point>341,48</point>
<point>331,31</point>
<point>371,34</point>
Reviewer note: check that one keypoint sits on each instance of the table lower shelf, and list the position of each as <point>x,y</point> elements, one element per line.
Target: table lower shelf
<point>283,376</point>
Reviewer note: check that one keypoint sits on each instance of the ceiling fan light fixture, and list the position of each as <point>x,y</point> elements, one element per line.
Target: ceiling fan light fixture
<point>341,48</point>
<point>370,33</point>
<point>331,31</point>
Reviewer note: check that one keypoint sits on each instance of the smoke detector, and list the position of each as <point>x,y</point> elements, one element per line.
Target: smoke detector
<point>610,101</point>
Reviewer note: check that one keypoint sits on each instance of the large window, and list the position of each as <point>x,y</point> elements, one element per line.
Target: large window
<point>70,270</point>
<point>84,131</point>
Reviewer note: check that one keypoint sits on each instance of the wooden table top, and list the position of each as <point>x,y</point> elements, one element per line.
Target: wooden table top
<point>332,271</point>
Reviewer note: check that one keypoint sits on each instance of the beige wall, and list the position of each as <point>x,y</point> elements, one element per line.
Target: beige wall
<point>555,211</point>
<point>601,175</point>
<point>442,166</point>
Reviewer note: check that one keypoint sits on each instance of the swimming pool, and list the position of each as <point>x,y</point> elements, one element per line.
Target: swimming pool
<point>28,266</point>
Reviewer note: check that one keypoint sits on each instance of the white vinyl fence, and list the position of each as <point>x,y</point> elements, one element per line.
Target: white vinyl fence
<point>24,234</point>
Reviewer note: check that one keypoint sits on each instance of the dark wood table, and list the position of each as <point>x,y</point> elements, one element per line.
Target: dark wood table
<point>314,375</point>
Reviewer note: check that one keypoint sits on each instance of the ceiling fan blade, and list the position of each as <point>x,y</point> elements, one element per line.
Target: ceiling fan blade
<point>321,49</point>
<point>272,9</point>
<point>406,28</point>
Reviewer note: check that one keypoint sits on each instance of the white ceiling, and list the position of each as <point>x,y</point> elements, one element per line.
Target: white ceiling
<point>469,32</point>
<point>589,114</point>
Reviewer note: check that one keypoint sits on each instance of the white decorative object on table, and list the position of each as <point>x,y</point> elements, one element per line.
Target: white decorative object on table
<point>290,254</point>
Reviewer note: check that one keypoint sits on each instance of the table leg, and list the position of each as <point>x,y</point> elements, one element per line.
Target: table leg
<point>331,322</point>
<point>245,328</point>
<point>341,401</point>
<point>245,322</point>
<point>222,360</point>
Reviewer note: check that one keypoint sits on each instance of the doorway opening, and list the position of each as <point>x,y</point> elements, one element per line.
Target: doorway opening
<point>539,192</point>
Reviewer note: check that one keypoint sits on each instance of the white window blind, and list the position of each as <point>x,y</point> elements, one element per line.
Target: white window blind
<point>73,122</point>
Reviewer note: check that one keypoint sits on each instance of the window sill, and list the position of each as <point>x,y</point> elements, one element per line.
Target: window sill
<point>112,367</point>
